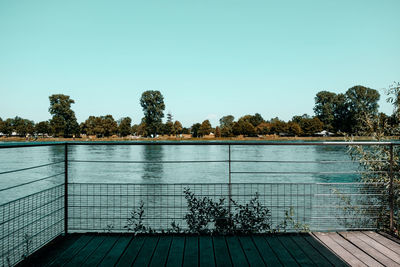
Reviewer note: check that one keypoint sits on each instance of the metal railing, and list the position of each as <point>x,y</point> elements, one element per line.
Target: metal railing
<point>29,222</point>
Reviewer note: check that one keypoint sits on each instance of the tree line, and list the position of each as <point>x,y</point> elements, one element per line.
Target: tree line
<point>337,113</point>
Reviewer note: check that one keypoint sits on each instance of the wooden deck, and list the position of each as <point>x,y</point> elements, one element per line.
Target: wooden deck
<point>321,249</point>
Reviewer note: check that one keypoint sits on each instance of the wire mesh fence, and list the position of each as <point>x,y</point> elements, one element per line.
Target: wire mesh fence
<point>292,207</point>
<point>30,222</point>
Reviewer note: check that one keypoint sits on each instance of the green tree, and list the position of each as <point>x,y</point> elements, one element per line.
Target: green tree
<point>363,103</point>
<point>42,128</point>
<point>256,120</point>
<point>169,128</point>
<point>263,128</point>
<point>153,106</point>
<point>278,126</point>
<point>135,128</point>
<point>341,121</point>
<point>311,126</point>
<point>194,130</point>
<point>6,127</point>
<point>325,108</point>
<point>178,128</point>
<point>205,128</point>
<point>109,125</point>
<point>23,126</point>
<point>217,132</point>
<point>170,117</point>
<point>226,125</point>
<point>294,128</point>
<point>124,126</point>
<point>64,121</point>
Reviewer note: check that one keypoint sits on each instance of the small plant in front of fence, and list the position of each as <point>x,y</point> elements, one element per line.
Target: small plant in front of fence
<point>136,222</point>
<point>289,223</point>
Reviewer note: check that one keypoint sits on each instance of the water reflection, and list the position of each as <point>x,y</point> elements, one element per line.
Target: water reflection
<point>153,172</point>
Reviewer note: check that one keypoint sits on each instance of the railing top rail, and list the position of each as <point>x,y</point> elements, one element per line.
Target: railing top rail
<point>197,143</point>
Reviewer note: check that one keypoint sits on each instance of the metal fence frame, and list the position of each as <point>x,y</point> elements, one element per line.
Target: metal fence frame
<point>229,161</point>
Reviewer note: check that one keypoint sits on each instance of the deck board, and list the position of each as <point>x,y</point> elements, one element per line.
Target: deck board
<point>206,251</point>
<point>237,254</point>
<point>316,249</point>
<point>175,257</point>
<point>222,256</point>
<point>191,255</point>
<point>266,252</point>
<point>370,247</point>
<point>130,253</point>
<point>112,256</point>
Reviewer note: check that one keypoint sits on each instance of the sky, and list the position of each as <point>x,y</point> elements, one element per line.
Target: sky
<point>208,58</point>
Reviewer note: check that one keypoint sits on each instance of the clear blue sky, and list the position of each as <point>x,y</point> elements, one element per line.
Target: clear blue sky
<point>208,58</point>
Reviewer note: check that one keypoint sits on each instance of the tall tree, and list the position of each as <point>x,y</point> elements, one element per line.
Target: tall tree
<point>153,106</point>
<point>64,121</point>
<point>124,126</point>
<point>256,120</point>
<point>363,102</point>
<point>194,130</point>
<point>42,128</point>
<point>325,108</point>
<point>226,124</point>
<point>205,128</point>
<point>341,121</point>
<point>178,127</point>
<point>6,127</point>
<point>169,117</point>
<point>23,126</point>
<point>109,125</point>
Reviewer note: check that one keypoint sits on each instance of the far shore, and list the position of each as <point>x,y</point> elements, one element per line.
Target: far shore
<point>172,138</point>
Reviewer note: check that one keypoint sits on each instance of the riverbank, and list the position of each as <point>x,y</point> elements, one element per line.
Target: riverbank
<point>171,138</point>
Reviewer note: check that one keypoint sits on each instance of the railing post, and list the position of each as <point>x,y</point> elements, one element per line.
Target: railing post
<point>391,193</point>
<point>66,188</point>
<point>230,178</point>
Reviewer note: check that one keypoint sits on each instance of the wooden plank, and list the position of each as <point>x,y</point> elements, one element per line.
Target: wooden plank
<point>97,256</point>
<point>390,244</point>
<point>175,256</point>
<point>206,251</point>
<point>313,254</point>
<point>221,252</point>
<point>71,251</point>
<point>283,255</point>
<point>393,238</point>
<point>237,254</point>
<point>85,252</point>
<point>339,250</point>
<point>266,252</point>
<point>191,254</point>
<point>161,253</point>
<point>361,255</point>
<point>146,252</point>
<point>251,252</point>
<point>116,251</point>
<point>324,250</point>
<point>131,252</point>
<point>301,258</point>
<point>369,246</point>
<point>52,250</point>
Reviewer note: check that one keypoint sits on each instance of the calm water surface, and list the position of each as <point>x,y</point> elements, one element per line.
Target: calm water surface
<point>154,173</point>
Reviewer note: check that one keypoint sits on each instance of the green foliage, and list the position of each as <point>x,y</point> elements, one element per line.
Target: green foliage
<point>100,126</point>
<point>362,102</point>
<point>290,223</point>
<point>64,121</point>
<point>194,130</point>
<point>124,126</point>
<point>205,128</point>
<point>135,222</point>
<point>178,127</point>
<point>226,124</point>
<point>153,106</point>
<point>252,217</point>
<point>217,132</point>
<point>42,127</point>
<point>325,108</point>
